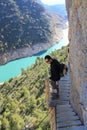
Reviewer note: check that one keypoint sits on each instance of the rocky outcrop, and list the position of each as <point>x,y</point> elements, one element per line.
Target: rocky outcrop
<point>26,51</point>
<point>23,52</point>
<point>68,6</point>
<point>77,11</point>
<point>33,49</point>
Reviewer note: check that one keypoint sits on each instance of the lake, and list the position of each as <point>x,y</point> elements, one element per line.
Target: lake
<point>13,68</point>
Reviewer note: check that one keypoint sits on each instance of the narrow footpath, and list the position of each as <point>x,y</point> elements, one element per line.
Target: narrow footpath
<point>66,117</point>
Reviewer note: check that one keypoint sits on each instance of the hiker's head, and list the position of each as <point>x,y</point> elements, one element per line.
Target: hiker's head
<point>48,59</point>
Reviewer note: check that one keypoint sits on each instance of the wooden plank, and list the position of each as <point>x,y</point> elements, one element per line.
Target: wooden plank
<point>66,81</point>
<point>66,76</point>
<point>64,98</point>
<point>63,108</point>
<point>64,90</point>
<point>74,128</point>
<point>68,124</point>
<point>64,87</point>
<point>66,114</point>
<point>64,111</point>
<point>62,94</point>
<point>67,118</point>
<point>53,103</point>
<point>62,102</point>
<point>62,119</point>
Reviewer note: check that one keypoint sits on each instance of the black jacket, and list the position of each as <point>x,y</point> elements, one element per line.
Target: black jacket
<point>55,70</point>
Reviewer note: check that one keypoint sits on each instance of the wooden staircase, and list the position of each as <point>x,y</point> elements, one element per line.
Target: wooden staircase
<point>62,114</point>
<point>66,117</point>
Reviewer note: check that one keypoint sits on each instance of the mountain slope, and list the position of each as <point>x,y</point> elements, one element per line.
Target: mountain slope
<point>60,9</point>
<point>23,24</point>
<point>26,28</point>
<point>22,99</point>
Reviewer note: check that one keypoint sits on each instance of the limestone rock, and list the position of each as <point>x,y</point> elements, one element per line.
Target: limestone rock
<point>77,11</point>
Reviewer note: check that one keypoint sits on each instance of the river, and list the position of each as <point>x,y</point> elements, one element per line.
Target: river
<point>13,68</point>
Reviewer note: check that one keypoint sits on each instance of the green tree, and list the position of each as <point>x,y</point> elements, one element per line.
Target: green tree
<point>16,122</point>
<point>5,124</point>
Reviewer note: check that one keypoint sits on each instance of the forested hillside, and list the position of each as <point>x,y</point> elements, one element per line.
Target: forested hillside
<point>23,23</point>
<point>22,99</point>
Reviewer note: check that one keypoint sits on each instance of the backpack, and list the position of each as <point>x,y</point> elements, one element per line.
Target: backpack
<point>63,69</point>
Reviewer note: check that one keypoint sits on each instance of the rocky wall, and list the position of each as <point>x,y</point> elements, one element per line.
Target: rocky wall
<point>77,11</point>
<point>31,50</point>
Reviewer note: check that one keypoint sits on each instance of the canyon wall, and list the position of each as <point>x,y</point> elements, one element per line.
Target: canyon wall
<point>77,14</point>
<point>26,28</point>
<point>23,52</point>
<point>31,50</point>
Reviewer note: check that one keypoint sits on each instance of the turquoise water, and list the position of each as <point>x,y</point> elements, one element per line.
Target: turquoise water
<point>13,68</point>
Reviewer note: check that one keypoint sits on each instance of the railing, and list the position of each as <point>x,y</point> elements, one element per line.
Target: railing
<point>47,90</point>
<point>51,108</point>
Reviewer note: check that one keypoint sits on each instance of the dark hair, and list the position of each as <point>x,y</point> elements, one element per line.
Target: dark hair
<point>48,57</point>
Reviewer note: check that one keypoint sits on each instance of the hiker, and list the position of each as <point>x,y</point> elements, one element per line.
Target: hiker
<point>54,74</point>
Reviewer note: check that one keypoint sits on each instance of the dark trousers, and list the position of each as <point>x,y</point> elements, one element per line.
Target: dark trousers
<point>54,87</point>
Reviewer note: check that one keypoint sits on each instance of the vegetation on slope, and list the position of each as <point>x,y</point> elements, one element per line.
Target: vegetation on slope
<point>24,23</point>
<point>22,99</point>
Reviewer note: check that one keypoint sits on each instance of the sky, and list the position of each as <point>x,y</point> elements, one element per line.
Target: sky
<point>53,2</point>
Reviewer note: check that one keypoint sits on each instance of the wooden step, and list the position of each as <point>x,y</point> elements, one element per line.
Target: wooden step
<point>70,118</point>
<point>64,110</point>
<point>64,98</point>
<point>64,90</point>
<point>64,93</point>
<point>69,124</point>
<point>65,85</point>
<point>66,81</point>
<point>61,102</point>
<point>64,106</point>
<point>66,114</point>
<point>66,117</point>
<point>53,103</point>
<point>74,128</point>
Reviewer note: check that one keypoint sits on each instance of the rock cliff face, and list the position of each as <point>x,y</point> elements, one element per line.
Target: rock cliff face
<point>77,11</point>
<point>23,52</point>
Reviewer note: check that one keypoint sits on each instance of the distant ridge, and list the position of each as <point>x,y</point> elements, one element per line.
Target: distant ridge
<point>60,9</point>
